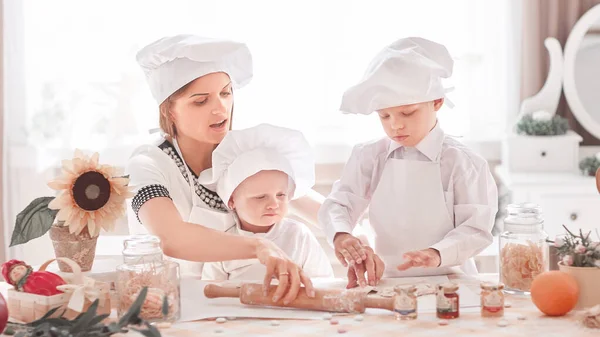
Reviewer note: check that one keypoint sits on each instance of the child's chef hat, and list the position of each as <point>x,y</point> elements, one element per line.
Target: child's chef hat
<point>243,153</point>
<point>172,62</point>
<point>408,71</point>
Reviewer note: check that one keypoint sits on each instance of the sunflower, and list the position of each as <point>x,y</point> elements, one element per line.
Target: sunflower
<point>90,195</point>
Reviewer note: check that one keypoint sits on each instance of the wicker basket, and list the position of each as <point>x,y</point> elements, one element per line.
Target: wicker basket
<point>27,307</point>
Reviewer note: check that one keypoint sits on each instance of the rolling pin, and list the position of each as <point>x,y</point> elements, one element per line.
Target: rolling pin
<point>331,300</point>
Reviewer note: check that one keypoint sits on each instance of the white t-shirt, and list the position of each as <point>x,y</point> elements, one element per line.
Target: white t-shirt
<point>293,237</point>
<point>156,170</point>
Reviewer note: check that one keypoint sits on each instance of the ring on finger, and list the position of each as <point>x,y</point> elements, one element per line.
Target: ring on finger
<point>284,273</point>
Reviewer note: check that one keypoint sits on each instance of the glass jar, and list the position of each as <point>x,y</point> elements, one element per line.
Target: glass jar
<point>447,301</point>
<point>145,267</point>
<point>523,247</point>
<point>405,302</point>
<point>492,299</point>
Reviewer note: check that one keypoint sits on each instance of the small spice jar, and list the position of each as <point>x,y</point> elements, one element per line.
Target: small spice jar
<point>447,301</point>
<point>405,302</point>
<point>145,267</point>
<point>492,299</point>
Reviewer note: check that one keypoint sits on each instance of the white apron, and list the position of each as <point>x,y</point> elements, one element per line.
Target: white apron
<point>408,212</point>
<point>201,216</point>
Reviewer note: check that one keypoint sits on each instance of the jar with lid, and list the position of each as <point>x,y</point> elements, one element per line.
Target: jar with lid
<point>405,302</point>
<point>447,301</point>
<point>492,299</point>
<point>523,247</point>
<point>145,267</point>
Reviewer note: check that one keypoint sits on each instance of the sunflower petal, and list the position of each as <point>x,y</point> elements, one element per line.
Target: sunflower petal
<point>67,166</point>
<point>80,166</point>
<point>119,181</point>
<point>92,227</point>
<point>94,159</point>
<point>75,225</point>
<point>60,201</point>
<point>64,213</point>
<point>59,184</point>
<point>79,154</point>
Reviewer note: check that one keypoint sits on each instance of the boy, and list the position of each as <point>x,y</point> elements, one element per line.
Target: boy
<point>431,200</point>
<point>257,171</point>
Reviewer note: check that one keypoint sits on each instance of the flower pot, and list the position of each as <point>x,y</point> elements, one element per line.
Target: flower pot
<point>588,280</point>
<point>79,248</point>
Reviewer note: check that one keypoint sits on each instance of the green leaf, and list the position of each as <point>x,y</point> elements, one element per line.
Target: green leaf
<point>44,318</point>
<point>98,319</point>
<point>84,321</point>
<point>151,331</point>
<point>135,308</point>
<point>165,306</point>
<point>34,221</point>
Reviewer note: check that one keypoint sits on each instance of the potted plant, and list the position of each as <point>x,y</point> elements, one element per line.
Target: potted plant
<point>580,257</point>
<point>90,197</point>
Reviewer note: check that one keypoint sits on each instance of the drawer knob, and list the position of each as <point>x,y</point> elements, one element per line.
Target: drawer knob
<point>573,216</point>
<point>543,154</point>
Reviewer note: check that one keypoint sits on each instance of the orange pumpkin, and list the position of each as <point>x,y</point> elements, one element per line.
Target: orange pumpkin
<point>554,293</point>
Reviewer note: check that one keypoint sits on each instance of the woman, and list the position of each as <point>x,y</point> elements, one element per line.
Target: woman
<point>192,79</point>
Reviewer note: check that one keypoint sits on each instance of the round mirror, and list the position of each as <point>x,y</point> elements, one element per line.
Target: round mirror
<point>581,83</point>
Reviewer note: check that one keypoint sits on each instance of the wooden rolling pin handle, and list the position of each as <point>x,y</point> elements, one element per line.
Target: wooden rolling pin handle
<point>215,291</point>
<point>379,303</point>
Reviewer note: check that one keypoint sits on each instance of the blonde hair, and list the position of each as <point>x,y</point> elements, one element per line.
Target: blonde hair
<point>165,121</point>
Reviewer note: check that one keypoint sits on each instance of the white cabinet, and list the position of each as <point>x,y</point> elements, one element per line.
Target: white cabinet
<point>568,199</point>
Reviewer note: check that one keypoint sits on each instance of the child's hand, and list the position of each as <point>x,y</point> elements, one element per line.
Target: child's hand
<point>373,266</point>
<point>421,258</point>
<point>348,249</point>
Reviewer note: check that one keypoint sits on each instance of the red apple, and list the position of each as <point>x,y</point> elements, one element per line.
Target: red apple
<point>3,313</point>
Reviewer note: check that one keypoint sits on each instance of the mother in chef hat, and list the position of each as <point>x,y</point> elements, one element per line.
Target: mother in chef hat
<point>193,79</point>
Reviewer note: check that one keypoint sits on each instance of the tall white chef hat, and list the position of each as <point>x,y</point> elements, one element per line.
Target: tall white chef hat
<point>408,71</point>
<point>172,62</point>
<point>243,153</point>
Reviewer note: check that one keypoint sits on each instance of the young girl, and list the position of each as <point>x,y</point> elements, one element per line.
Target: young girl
<point>257,171</point>
<point>431,200</point>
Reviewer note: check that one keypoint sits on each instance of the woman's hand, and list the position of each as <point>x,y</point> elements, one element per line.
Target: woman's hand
<point>421,258</point>
<point>372,265</point>
<point>280,266</point>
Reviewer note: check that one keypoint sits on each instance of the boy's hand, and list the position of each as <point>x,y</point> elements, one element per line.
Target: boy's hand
<point>348,249</point>
<point>421,258</point>
<point>373,266</point>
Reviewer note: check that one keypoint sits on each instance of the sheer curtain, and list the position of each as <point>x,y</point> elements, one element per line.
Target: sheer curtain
<point>72,80</point>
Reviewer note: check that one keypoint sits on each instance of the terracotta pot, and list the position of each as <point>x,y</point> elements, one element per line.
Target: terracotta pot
<point>79,248</point>
<point>588,279</point>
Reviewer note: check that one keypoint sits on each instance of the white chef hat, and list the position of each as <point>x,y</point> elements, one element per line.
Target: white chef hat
<point>243,153</point>
<point>408,71</point>
<point>172,62</point>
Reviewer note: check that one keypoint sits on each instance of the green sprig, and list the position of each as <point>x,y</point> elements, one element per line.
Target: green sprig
<point>532,127</point>
<point>588,258</point>
<point>88,323</point>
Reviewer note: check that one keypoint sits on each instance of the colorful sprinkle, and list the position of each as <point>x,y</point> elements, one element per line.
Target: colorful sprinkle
<point>221,320</point>
<point>507,305</point>
<point>334,322</point>
<point>502,323</point>
<point>521,317</point>
<point>443,322</point>
<point>359,318</point>
<point>342,330</point>
<point>327,316</point>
